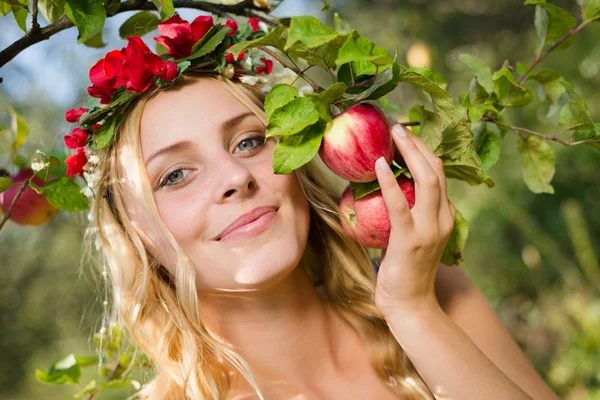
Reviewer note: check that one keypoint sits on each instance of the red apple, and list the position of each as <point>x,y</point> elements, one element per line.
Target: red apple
<point>354,140</point>
<point>367,220</point>
<point>31,208</point>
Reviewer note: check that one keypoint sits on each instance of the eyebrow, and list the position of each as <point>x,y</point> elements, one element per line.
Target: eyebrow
<point>180,146</point>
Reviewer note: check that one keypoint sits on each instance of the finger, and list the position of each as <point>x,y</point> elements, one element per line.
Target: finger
<point>395,202</point>
<point>436,163</point>
<point>427,184</point>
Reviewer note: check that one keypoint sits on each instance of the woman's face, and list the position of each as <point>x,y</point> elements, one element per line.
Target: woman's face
<point>208,164</point>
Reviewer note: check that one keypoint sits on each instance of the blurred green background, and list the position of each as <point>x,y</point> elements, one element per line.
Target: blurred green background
<point>535,257</point>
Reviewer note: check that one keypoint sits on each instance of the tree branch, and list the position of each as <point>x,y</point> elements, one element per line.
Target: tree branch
<point>37,35</point>
<point>532,132</point>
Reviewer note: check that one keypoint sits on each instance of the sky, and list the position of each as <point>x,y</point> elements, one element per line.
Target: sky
<point>56,69</point>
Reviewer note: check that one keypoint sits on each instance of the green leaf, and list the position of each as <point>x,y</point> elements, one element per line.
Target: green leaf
<point>538,163</point>
<point>5,8</point>
<point>323,56</point>
<point>19,128</point>
<point>386,82</point>
<point>551,22</point>
<point>87,361</point>
<point>309,31</point>
<point>87,15</point>
<point>280,95</point>
<point>361,189</point>
<point>455,248</point>
<point>87,389</point>
<point>275,38</point>
<point>64,371</point>
<point>480,68</point>
<point>52,9</point>
<point>527,2</point>
<point>117,383</point>
<point>550,84</point>
<point>461,161</point>
<point>357,48</point>
<point>333,93</point>
<point>341,25</point>
<point>591,9</point>
<point>210,45</point>
<point>95,41</point>
<point>5,183</point>
<point>574,115</point>
<point>106,132</point>
<point>489,149</point>
<point>431,75</point>
<point>292,152</point>
<point>326,5</point>
<point>165,8</point>
<point>65,194</point>
<point>292,118</point>
<point>508,92</point>
<point>445,113</point>
<point>20,15</point>
<point>138,24</point>
<point>18,3</point>
<point>477,94</point>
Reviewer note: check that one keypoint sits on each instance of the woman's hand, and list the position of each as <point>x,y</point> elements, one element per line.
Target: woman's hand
<point>405,281</point>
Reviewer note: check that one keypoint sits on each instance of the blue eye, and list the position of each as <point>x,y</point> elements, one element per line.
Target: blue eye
<point>173,174</point>
<point>260,140</point>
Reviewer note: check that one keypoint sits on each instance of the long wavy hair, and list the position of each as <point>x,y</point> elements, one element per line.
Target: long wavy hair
<point>159,311</point>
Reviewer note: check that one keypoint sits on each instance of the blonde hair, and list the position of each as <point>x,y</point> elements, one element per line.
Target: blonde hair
<point>160,312</point>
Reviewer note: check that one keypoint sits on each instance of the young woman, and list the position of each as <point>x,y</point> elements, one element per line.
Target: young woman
<point>241,284</point>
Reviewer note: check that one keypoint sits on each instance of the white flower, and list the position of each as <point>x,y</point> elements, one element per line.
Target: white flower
<point>247,64</point>
<point>228,71</point>
<point>87,191</point>
<point>248,79</point>
<point>94,159</point>
<point>263,26</point>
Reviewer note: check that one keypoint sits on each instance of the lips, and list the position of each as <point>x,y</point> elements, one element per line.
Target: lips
<point>246,218</point>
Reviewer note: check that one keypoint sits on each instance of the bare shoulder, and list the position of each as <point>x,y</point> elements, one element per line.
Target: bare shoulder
<point>464,303</point>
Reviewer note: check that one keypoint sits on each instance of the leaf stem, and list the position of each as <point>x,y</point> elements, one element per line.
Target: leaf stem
<point>23,187</point>
<point>294,68</point>
<point>35,25</point>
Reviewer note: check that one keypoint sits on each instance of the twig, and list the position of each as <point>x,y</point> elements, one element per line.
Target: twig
<point>7,215</point>
<point>539,57</point>
<point>532,132</point>
<point>296,70</point>
<point>33,37</point>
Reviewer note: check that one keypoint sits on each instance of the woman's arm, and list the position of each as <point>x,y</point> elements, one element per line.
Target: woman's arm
<point>449,362</point>
<point>469,310</point>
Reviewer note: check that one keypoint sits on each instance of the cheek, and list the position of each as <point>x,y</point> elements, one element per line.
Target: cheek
<point>184,211</point>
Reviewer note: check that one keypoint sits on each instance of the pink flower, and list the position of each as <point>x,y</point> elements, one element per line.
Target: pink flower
<point>266,68</point>
<point>229,57</point>
<point>76,162</point>
<point>74,115</point>
<point>76,139</point>
<point>233,25</point>
<point>254,23</point>
<point>179,36</point>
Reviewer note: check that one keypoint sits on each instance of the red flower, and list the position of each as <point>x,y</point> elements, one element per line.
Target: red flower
<point>74,115</point>
<point>179,36</point>
<point>77,138</point>
<point>229,57</point>
<point>97,126</point>
<point>76,162</point>
<point>107,75</point>
<point>266,68</point>
<point>254,23</point>
<point>137,68</point>
<point>233,25</point>
<point>166,70</point>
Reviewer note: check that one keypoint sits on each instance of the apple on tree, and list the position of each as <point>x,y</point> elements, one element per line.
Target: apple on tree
<point>31,208</point>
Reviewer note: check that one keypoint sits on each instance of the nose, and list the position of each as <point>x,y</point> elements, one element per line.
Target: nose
<point>236,180</point>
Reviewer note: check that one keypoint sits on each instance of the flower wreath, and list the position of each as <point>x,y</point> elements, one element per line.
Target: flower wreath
<point>123,75</point>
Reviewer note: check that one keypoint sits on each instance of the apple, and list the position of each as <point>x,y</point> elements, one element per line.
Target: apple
<point>354,140</point>
<point>31,208</point>
<point>367,220</point>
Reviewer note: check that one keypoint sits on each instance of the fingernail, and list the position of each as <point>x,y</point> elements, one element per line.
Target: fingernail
<point>381,164</point>
<point>398,130</point>
<point>393,121</point>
